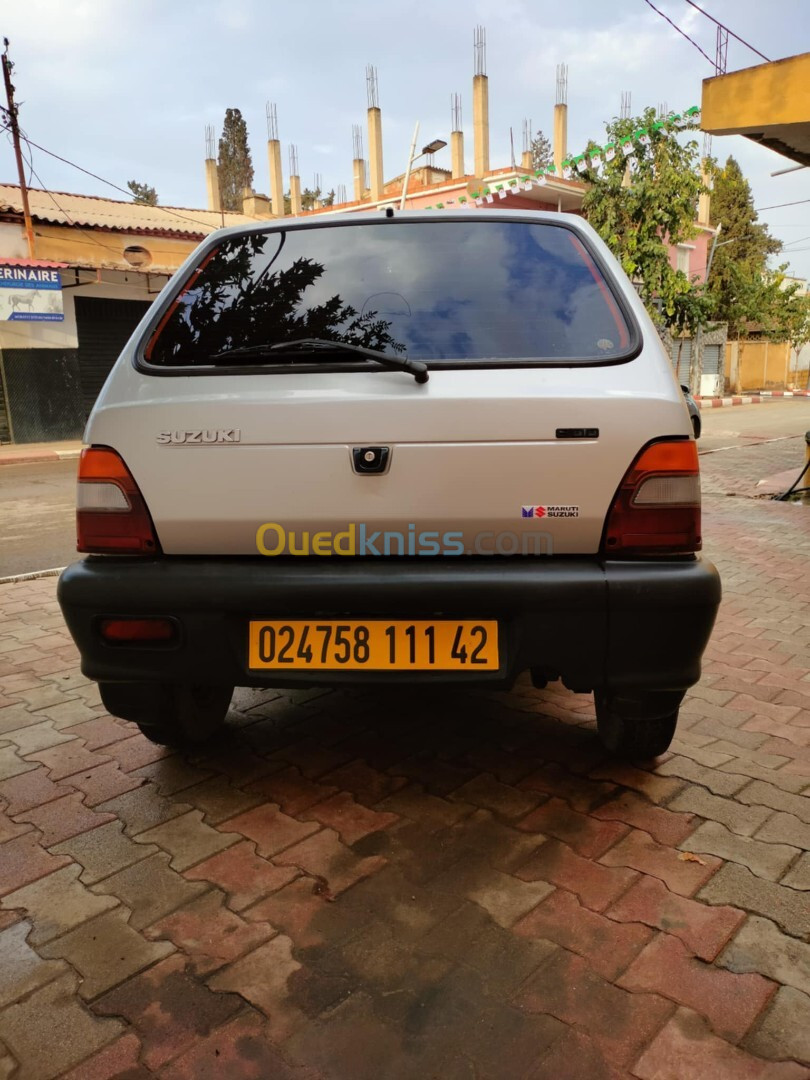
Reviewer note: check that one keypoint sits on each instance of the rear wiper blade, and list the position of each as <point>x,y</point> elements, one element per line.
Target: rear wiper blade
<point>302,345</point>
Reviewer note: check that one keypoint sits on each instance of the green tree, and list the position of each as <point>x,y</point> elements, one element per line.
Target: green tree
<point>234,167</point>
<point>641,205</point>
<point>541,151</point>
<point>798,330</point>
<point>142,193</point>
<point>310,196</point>
<point>739,283</point>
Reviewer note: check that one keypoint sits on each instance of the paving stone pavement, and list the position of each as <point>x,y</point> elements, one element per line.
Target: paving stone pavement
<point>410,884</point>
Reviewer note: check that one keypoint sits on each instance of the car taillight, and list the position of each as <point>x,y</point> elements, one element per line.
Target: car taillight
<point>656,510</point>
<point>111,515</point>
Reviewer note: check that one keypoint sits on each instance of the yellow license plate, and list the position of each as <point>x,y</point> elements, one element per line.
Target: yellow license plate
<point>374,645</point>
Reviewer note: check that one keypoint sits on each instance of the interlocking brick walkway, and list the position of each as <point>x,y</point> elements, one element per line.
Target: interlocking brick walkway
<point>414,885</point>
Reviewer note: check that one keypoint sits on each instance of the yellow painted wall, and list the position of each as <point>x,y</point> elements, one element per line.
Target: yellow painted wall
<point>763,365</point>
<point>92,247</point>
<point>757,98</point>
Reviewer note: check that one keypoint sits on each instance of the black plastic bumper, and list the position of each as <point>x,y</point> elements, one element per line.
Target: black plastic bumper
<point>591,623</point>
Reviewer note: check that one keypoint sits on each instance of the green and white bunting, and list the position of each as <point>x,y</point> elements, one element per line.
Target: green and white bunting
<point>592,159</point>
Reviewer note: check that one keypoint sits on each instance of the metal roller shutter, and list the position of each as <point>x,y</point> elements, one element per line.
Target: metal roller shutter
<point>103,327</point>
<point>685,346</point>
<point>712,359</point>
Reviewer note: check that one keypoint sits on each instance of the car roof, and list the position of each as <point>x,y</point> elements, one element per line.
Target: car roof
<point>380,216</point>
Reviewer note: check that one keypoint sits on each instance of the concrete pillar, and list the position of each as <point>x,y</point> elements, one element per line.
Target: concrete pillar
<point>560,135</point>
<point>276,177</point>
<point>481,124</point>
<point>457,153</point>
<point>375,153</point>
<point>526,162</point>
<point>359,175</point>
<point>212,184</point>
<point>734,367</point>
<point>295,195</point>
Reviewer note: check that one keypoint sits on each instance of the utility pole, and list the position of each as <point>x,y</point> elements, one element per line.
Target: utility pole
<point>11,113</point>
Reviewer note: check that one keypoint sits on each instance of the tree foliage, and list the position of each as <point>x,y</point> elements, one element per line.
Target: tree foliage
<point>309,196</point>
<point>744,292</point>
<point>542,155</point>
<point>657,207</point>
<point>143,193</point>
<point>798,327</point>
<point>234,167</point>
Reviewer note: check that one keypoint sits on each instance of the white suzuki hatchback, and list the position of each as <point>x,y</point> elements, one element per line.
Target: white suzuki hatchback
<point>385,448</point>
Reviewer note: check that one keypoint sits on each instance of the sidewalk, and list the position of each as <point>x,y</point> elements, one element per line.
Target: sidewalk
<point>361,884</point>
<point>31,453</point>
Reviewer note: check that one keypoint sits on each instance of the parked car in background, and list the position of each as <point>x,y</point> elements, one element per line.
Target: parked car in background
<point>378,449</point>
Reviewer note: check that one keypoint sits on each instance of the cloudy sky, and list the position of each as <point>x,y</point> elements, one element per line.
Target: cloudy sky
<point>126,89</point>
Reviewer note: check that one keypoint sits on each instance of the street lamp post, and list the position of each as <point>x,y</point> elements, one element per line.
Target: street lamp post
<point>431,148</point>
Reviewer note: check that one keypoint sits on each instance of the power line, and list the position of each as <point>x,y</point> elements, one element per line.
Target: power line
<point>722,26</point>
<point>109,183</point>
<point>778,206</point>
<point>62,210</point>
<point>681,32</point>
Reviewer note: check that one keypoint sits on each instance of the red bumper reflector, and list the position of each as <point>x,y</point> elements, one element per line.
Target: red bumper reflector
<point>121,630</point>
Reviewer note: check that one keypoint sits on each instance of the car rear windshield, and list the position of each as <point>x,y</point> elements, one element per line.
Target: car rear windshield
<point>446,291</point>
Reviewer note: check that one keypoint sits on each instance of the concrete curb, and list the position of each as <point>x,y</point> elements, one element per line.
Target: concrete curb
<point>748,399</point>
<point>38,456</point>
<point>32,575</point>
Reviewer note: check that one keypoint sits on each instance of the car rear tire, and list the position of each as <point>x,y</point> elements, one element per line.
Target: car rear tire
<point>167,714</point>
<point>640,726</point>
<point>696,425</point>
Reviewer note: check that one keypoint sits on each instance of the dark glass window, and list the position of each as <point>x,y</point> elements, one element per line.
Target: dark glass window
<point>441,291</point>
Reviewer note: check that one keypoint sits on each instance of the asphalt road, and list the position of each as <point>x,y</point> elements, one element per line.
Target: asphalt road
<point>746,424</point>
<point>37,501</point>
<point>37,524</point>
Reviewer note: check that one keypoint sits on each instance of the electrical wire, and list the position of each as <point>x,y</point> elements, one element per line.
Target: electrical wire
<point>681,32</point>
<point>717,22</point>
<point>62,210</point>
<point>794,487</point>
<point>778,206</point>
<point>109,183</point>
